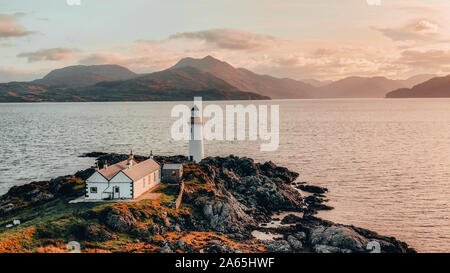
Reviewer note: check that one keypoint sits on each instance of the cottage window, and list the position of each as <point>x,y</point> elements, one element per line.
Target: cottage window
<point>93,189</point>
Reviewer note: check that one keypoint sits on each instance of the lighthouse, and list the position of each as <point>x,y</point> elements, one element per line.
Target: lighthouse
<point>196,151</point>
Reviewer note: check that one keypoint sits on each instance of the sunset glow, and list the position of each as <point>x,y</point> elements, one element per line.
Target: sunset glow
<point>298,39</point>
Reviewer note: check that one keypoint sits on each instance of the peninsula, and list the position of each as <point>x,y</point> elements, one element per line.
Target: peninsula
<point>228,204</point>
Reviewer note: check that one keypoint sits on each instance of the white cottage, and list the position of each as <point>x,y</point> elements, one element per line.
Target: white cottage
<point>124,180</point>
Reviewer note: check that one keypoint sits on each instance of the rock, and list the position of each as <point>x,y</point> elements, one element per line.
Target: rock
<point>142,232</point>
<point>291,219</point>
<point>119,219</point>
<point>300,236</point>
<point>280,246</point>
<point>93,154</point>
<point>42,196</point>
<point>180,244</point>
<point>326,249</point>
<point>294,243</point>
<point>98,233</point>
<point>166,249</point>
<point>338,236</point>
<point>177,228</point>
<point>312,189</point>
<point>6,208</point>
<point>154,229</point>
<point>167,222</point>
<point>218,247</point>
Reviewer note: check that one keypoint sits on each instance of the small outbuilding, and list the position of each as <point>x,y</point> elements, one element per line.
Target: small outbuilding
<point>172,173</point>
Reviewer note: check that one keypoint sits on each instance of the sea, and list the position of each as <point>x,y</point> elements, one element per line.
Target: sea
<point>385,162</point>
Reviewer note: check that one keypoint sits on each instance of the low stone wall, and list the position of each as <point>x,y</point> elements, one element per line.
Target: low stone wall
<point>177,202</point>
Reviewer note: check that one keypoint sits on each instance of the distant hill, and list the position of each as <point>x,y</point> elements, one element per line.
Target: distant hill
<point>316,83</point>
<point>415,80</point>
<point>208,77</point>
<point>168,85</point>
<point>81,75</point>
<point>438,87</point>
<point>358,87</point>
<point>246,80</point>
<point>364,87</point>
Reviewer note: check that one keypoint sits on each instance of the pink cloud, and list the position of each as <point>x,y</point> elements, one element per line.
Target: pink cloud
<point>10,28</point>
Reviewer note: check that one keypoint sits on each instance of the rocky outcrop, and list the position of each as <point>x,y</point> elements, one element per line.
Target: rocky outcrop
<point>224,200</point>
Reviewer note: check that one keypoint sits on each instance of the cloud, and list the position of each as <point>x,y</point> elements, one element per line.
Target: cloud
<point>295,58</point>
<point>429,59</point>
<point>8,74</point>
<point>50,54</point>
<point>231,39</point>
<point>104,58</point>
<point>415,30</point>
<point>10,28</point>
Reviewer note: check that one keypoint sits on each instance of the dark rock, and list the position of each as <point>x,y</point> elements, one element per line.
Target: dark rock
<point>119,219</point>
<point>280,246</point>
<point>312,189</point>
<point>98,233</point>
<point>6,208</point>
<point>166,249</point>
<point>291,219</point>
<point>93,154</point>
<point>295,243</point>
<point>341,237</point>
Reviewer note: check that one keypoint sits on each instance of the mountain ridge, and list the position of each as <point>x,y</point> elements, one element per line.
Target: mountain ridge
<point>437,87</point>
<point>213,78</point>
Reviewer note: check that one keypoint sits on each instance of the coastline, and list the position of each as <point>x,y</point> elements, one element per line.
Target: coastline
<point>225,199</point>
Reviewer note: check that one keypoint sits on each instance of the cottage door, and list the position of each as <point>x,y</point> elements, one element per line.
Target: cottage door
<point>116,192</point>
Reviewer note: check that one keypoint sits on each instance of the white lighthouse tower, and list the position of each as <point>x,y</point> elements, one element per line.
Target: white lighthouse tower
<point>196,151</point>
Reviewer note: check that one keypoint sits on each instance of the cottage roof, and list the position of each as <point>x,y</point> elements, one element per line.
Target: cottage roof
<point>110,171</point>
<point>176,166</point>
<point>137,171</point>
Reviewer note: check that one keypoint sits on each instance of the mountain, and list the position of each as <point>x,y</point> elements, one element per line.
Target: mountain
<point>208,77</point>
<point>246,80</point>
<point>81,75</point>
<point>364,87</point>
<point>358,87</point>
<point>415,80</point>
<point>168,85</point>
<point>438,87</point>
<point>316,83</point>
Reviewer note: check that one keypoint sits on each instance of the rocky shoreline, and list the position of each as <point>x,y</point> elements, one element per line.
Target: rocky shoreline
<point>225,200</point>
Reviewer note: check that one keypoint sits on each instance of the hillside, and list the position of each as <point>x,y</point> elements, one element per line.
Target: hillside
<point>362,87</point>
<point>246,80</point>
<point>226,202</point>
<point>438,87</point>
<point>80,75</point>
<point>169,85</point>
<point>208,77</point>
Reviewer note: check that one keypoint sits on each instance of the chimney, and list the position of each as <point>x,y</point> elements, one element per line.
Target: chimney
<point>130,160</point>
<point>151,154</point>
<point>105,165</point>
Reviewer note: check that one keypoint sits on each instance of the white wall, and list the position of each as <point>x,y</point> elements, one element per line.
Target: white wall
<point>146,183</point>
<point>127,189</point>
<point>96,180</point>
<point>124,183</point>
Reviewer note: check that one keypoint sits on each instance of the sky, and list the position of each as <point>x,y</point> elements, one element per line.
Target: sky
<point>300,39</point>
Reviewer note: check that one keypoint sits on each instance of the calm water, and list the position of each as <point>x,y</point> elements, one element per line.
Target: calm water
<point>386,162</point>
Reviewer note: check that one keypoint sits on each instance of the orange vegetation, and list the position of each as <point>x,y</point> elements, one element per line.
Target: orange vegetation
<point>16,243</point>
<point>199,240</point>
